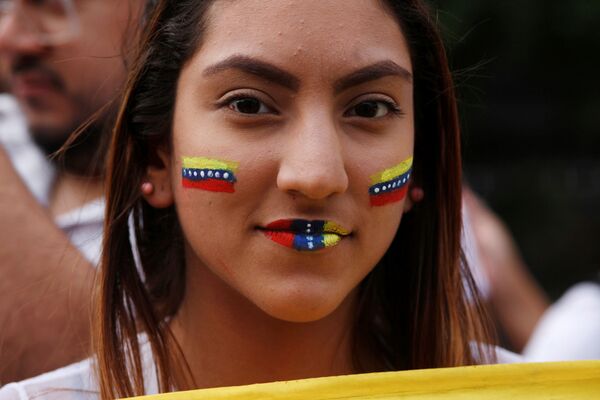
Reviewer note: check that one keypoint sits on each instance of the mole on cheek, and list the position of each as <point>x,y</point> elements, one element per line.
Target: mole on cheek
<point>391,185</point>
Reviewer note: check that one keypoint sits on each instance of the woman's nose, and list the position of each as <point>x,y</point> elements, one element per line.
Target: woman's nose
<point>312,161</point>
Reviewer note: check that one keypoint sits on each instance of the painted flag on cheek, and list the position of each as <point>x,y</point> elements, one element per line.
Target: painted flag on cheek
<point>390,185</point>
<point>208,174</point>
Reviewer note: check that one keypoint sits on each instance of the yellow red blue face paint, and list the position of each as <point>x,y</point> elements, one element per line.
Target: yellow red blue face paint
<point>390,185</point>
<point>208,174</point>
<point>305,235</point>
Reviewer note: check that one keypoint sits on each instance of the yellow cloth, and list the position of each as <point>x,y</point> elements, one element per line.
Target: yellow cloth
<point>564,380</point>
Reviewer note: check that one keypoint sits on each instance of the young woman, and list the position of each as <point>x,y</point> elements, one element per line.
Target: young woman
<point>261,170</point>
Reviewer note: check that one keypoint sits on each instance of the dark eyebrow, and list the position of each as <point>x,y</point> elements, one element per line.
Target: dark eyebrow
<point>256,67</point>
<point>372,72</point>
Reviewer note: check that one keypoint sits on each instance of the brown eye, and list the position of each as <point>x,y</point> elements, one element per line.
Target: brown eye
<point>369,109</point>
<point>248,105</point>
<point>373,109</point>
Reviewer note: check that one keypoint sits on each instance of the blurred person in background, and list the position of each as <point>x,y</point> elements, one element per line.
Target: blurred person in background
<point>65,61</point>
<point>567,329</point>
<point>532,151</point>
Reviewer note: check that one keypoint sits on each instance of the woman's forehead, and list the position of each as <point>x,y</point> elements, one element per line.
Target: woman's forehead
<point>334,34</point>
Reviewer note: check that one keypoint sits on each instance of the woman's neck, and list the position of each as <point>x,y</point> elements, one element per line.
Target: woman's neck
<point>229,341</point>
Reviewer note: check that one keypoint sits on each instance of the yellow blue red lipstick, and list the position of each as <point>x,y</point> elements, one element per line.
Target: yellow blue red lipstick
<point>305,235</point>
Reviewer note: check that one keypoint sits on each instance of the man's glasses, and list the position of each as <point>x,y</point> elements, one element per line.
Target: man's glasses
<point>50,22</point>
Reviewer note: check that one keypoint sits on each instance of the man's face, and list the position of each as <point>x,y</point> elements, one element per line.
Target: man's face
<point>59,85</point>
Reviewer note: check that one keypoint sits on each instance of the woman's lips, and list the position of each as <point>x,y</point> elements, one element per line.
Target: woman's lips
<point>305,235</point>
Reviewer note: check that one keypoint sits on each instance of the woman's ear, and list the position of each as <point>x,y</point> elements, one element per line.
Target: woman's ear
<point>156,188</point>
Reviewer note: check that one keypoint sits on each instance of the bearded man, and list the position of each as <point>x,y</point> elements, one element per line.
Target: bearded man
<point>65,61</point>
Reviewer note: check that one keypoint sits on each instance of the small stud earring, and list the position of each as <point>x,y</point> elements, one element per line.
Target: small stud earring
<point>416,194</point>
<point>147,188</point>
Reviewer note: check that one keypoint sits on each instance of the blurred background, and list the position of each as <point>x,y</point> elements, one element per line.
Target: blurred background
<point>527,78</point>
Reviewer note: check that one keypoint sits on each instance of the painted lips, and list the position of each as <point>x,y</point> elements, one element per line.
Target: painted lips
<point>305,235</point>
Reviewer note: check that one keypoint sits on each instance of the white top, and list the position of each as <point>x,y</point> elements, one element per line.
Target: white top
<point>77,382</point>
<point>30,163</point>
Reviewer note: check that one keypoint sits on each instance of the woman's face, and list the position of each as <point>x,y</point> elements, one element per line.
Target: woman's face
<point>302,102</point>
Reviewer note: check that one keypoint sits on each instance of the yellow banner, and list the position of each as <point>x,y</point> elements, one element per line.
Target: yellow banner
<point>534,381</point>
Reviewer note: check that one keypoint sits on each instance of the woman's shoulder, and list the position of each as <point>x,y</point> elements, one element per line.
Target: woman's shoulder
<point>74,382</point>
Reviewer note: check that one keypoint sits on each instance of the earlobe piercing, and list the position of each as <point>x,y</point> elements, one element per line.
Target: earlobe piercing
<point>147,188</point>
<point>416,194</point>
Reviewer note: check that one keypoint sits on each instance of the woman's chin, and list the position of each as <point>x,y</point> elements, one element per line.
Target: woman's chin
<point>300,306</point>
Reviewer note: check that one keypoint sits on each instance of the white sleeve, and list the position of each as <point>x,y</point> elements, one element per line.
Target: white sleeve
<point>13,391</point>
<point>73,382</point>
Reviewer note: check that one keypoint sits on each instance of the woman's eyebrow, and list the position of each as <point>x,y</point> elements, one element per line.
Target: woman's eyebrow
<point>370,73</point>
<point>261,69</point>
<point>272,73</point>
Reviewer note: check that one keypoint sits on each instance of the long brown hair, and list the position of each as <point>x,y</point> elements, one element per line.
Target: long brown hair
<point>418,307</point>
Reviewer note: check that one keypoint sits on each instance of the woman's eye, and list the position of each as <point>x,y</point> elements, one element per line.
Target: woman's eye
<point>248,105</point>
<point>372,109</point>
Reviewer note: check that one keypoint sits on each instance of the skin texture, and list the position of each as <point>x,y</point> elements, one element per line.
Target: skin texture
<point>46,284</point>
<point>306,155</point>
